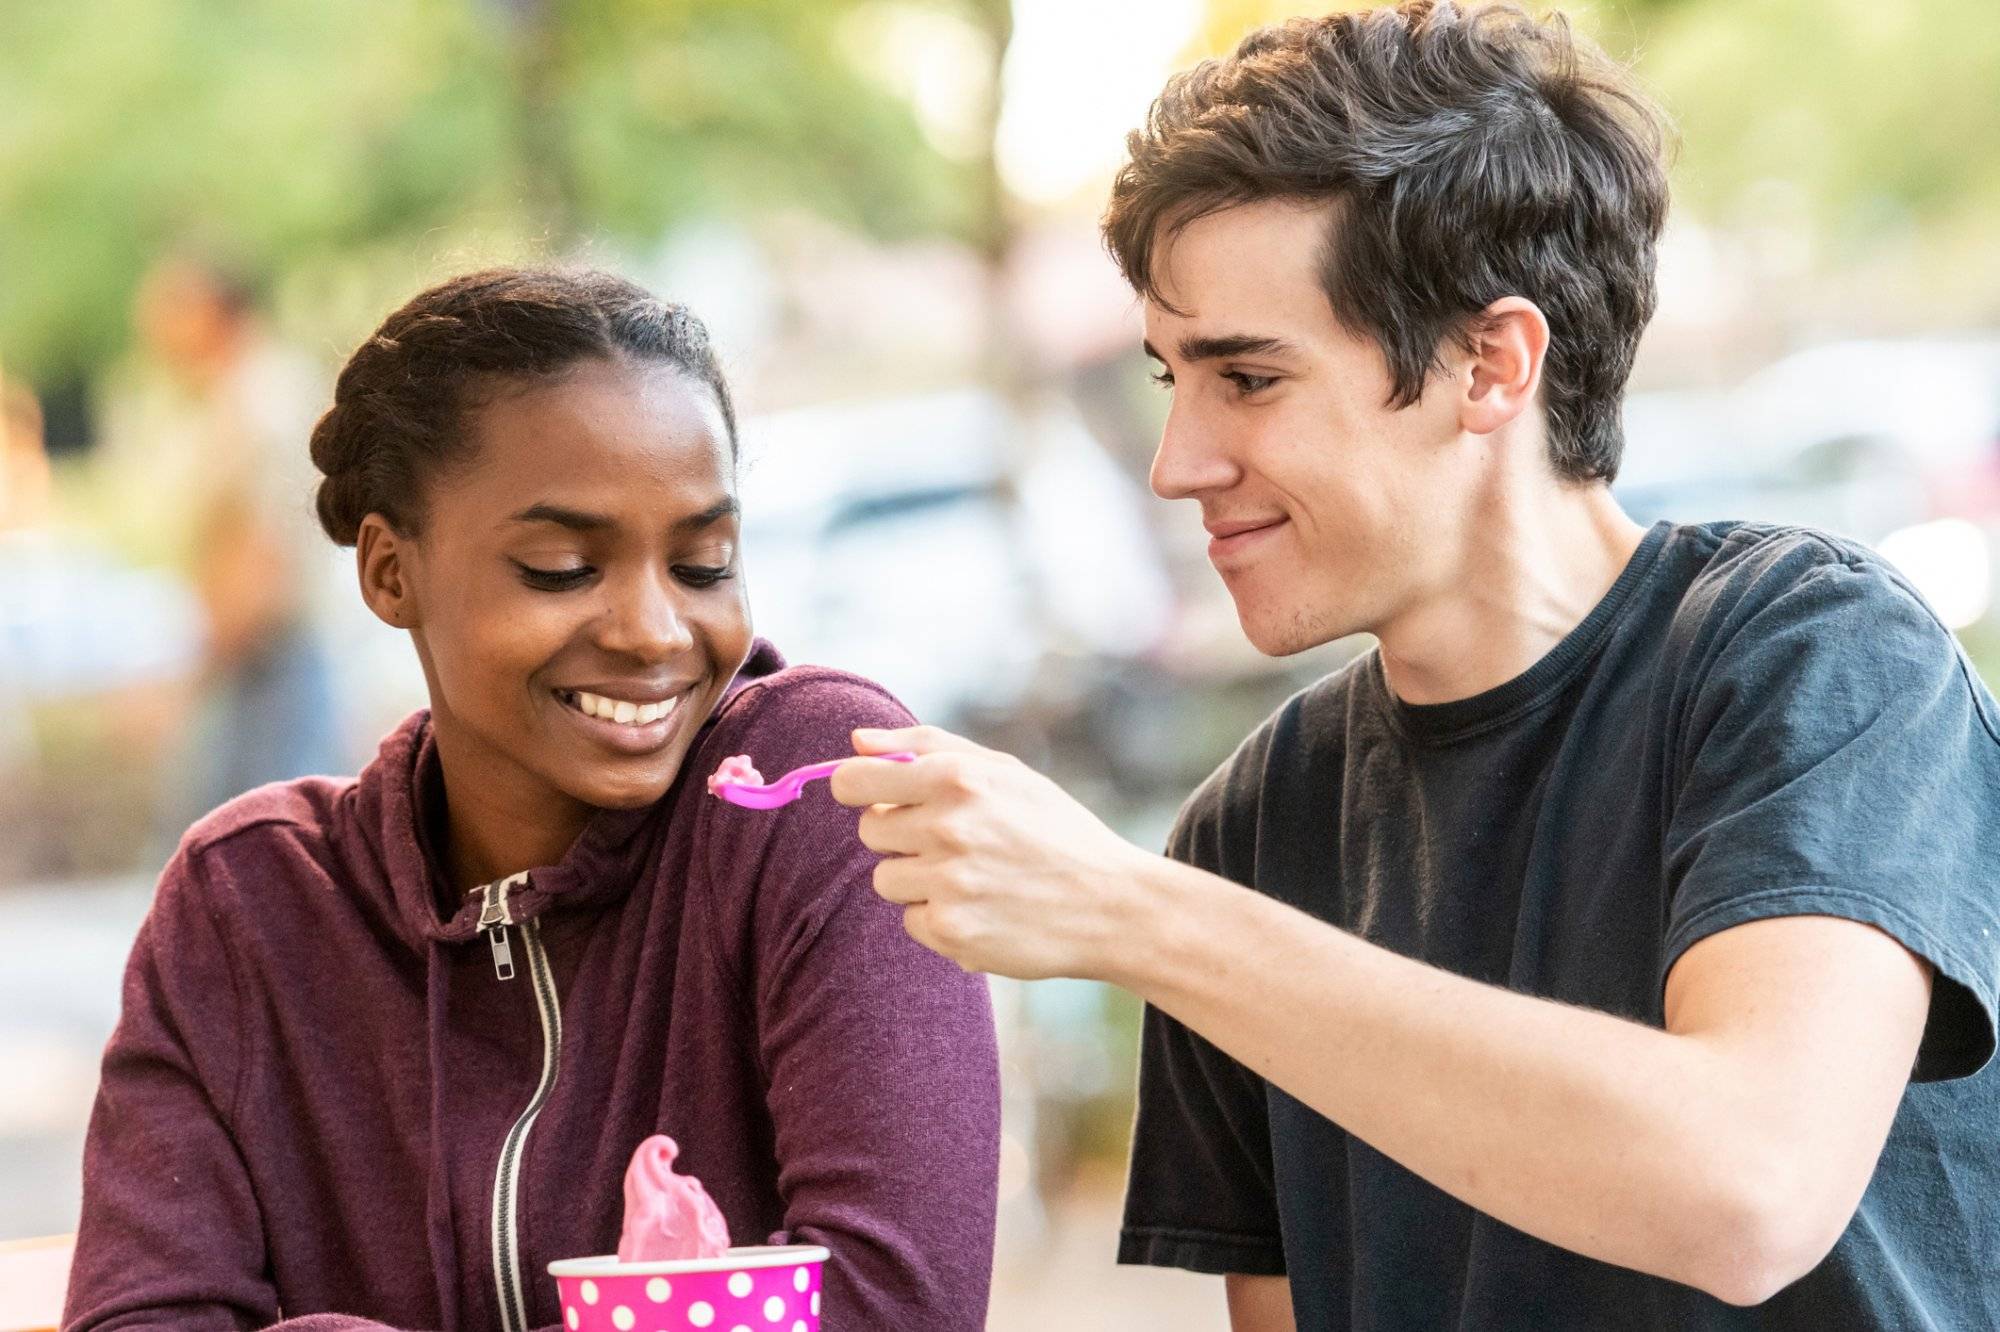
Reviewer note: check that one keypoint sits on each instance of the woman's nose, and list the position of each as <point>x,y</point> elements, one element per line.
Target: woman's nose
<point>645,619</point>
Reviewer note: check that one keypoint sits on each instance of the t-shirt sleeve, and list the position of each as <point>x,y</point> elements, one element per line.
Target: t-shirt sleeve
<point>1200,1192</point>
<point>1840,758</point>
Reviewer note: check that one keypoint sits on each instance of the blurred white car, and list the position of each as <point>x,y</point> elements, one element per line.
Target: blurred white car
<point>943,545</point>
<point>1892,442</point>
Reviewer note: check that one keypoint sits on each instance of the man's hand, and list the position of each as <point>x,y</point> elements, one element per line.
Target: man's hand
<point>995,866</point>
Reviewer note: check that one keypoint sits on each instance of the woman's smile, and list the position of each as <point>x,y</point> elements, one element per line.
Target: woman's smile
<point>626,719</point>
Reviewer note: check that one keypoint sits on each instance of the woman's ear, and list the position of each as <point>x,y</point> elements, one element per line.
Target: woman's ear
<point>382,558</point>
<point>1502,377</point>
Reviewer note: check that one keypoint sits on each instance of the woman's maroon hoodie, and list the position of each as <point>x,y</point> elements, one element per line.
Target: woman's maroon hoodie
<point>334,1098</point>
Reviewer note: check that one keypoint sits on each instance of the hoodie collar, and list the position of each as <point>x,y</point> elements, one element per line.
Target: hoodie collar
<point>402,792</point>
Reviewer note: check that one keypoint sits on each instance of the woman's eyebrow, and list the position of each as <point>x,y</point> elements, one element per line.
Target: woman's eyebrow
<point>576,520</point>
<point>714,513</point>
<point>579,520</point>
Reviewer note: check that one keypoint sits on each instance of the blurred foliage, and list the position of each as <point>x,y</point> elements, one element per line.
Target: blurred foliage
<point>285,136</point>
<point>328,140</point>
<point>1875,117</point>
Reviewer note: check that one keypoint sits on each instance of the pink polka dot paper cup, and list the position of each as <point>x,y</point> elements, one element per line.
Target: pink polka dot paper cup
<point>765,1288</point>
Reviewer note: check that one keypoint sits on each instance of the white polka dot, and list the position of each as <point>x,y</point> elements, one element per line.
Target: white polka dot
<point>590,1292</point>
<point>739,1284</point>
<point>815,1304</point>
<point>774,1309</point>
<point>701,1313</point>
<point>622,1319</point>
<point>800,1281</point>
<point>574,1317</point>
<point>799,1326</point>
<point>740,1327</point>
<point>659,1290</point>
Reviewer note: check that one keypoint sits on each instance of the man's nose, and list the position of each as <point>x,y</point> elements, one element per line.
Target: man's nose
<point>1189,460</point>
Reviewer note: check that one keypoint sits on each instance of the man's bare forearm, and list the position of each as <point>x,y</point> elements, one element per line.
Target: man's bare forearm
<point>1259,1304</point>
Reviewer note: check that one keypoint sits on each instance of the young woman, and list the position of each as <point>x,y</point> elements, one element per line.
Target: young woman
<point>388,1043</point>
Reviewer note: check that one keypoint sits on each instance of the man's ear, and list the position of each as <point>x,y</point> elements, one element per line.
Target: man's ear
<point>382,558</point>
<point>1502,375</point>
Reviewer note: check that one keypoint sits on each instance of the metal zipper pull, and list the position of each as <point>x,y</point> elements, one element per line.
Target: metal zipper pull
<point>503,953</point>
<point>494,918</point>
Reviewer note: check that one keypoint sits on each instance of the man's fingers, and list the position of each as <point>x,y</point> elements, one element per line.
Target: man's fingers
<point>908,739</point>
<point>942,759</point>
<point>890,830</point>
<point>861,782</point>
<point>899,881</point>
<point>917,924</point>
<point>875,781</point>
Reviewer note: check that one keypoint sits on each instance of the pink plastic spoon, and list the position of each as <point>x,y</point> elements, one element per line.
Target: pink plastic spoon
<point>752,794</point>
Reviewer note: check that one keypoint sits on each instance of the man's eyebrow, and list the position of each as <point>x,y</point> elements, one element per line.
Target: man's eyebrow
<point>1233,344</point>
<point>1193,348</point>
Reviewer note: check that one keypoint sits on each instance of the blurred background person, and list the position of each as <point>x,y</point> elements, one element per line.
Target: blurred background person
<point>24,499</point>
<point>24,461</point>
<point>205,475</point>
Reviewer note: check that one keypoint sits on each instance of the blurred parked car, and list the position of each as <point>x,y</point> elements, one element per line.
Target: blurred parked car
<point>944,545</point>
<point>1894,443</point>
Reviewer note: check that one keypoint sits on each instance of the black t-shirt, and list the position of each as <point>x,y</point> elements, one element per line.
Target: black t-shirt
<point>1755,721</point>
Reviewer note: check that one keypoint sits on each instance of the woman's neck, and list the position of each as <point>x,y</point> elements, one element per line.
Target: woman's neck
<point>498,820</point>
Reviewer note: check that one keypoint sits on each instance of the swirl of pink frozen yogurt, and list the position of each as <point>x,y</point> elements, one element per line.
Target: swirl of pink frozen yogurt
<point>667,1216</point>
<point>737,769</point>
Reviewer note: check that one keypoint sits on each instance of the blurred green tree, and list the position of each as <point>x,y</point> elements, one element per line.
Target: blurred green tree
<point>1879,115</point>
<point>1877,118</point>
<point>281,135</point>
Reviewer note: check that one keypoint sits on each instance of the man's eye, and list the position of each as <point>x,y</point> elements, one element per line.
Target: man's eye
<point>1248,384</point>
<point>553,580</point>
<point>1164,378</point>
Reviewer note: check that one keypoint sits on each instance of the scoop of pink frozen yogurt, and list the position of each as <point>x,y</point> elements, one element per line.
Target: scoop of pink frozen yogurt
<point>667,1216</point>
<point>737,769</point>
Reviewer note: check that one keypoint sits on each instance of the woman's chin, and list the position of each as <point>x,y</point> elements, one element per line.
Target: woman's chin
<point>613,790</point>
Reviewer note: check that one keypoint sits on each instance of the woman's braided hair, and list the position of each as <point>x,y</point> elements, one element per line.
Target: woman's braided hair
<point>400,403</point>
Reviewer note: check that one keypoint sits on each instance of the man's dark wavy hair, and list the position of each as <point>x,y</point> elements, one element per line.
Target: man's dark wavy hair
<point>1468,152</point>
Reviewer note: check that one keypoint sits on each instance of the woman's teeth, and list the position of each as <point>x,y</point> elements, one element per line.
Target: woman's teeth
<point>622,711</point>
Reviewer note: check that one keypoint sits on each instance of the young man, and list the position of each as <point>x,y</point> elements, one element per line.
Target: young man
<point>1616,944</point>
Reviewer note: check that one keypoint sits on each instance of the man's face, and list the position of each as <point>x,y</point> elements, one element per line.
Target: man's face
<point>1329,511</point>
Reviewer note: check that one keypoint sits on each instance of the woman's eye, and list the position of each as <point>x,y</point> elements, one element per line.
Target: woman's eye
<point>1248,384</point>
<point>554,580</point>
<point>702,575</point>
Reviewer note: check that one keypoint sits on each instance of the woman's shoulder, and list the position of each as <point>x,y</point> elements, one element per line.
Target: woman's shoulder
<point>783,720</point>
<point>788,918</point>
<point>256,843</point>
<point>305,807</point>
<point>800,714</point>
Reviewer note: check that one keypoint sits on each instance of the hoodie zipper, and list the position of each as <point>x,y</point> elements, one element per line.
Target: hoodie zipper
<point>496,917</point>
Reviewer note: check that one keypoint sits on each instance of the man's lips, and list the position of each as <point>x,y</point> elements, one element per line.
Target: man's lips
<point>1230,539</point>
<point>1224,530</point>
